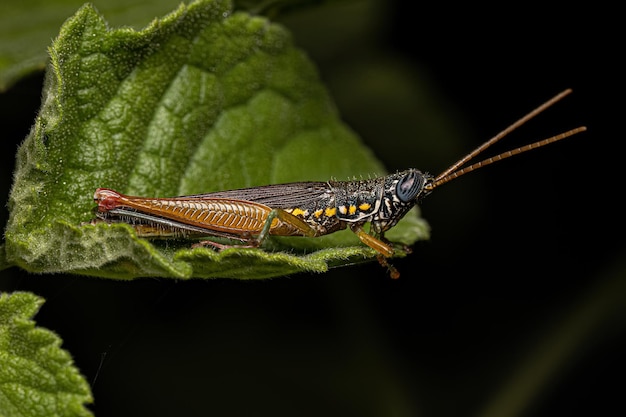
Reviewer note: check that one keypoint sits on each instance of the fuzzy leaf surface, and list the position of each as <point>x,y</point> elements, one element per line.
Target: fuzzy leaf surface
<point>37,377</point>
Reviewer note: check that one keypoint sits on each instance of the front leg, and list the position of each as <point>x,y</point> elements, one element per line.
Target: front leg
<point>384,248</point>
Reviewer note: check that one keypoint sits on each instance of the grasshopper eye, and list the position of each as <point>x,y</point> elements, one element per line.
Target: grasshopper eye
<point>409,186</point>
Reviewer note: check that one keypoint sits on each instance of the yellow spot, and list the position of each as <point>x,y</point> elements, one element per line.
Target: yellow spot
<point>330,211</point>
<point>365,206</point>
<point>352,209</point>
<point>343,210</point>
<point>298,212</point>
<point>318,213</point>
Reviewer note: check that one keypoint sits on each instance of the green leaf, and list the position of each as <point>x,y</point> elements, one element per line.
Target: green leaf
<point>27,26</point>
<point>201,100</point>
<point>37,377</point>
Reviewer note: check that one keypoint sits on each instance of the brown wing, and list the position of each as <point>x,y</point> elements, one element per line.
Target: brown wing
<point>290,195</point>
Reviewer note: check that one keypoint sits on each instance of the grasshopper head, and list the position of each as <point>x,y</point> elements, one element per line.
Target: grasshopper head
<point>402,191</point>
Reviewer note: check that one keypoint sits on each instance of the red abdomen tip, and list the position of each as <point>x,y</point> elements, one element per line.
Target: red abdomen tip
<point>107,199</point>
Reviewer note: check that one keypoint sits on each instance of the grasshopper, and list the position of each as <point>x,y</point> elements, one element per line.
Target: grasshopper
<point>309,209</point>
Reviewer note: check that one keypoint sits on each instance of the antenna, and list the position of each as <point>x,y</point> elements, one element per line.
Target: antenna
<point>455,170</point>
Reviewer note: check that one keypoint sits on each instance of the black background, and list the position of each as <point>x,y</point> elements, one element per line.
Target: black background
<point>516,304</point>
